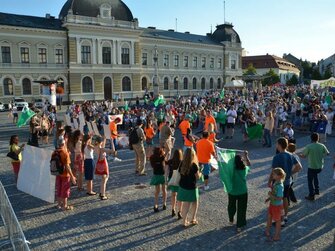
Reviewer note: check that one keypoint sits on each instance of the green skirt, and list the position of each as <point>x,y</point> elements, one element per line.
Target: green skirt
<point>188,195</point>
<point>157,180</point>
<point>173,188</point>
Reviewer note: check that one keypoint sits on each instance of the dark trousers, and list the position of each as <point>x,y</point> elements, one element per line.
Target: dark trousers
<point>267,138</point>
<point>223,128</point>
<point>238,203</point>
<point>313,182</point>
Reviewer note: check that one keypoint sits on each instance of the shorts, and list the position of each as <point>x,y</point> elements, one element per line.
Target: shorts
<point>206,168</point>
<point>275,212</point>
<point>15,115</point>
<point>149,142</point>
<point>230,125</point>
<point>89,169</point>
<point>63,186</point>
<point>16,167</point>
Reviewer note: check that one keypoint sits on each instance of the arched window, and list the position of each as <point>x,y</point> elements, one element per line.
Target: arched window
<point>211,83</point>
<point>126,84</point>
<point>26,86</point>
<point>219,83</point>
<point>175,83</point>
<point>203,84</point>
<point>8,87</point>
<point>194,81</point>
<point>166,83</point>
<point>185,83</point>
<point>87,85</point>
<point>107,88</point>
<point>144,84</point>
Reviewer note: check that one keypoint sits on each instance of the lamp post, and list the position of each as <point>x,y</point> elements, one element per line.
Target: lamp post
<point>177,82</point>
<point>224,64</point>
<point>155,80</point>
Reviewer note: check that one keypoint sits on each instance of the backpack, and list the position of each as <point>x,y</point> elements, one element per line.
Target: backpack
<point>133,137</point>
<point>56,165</point>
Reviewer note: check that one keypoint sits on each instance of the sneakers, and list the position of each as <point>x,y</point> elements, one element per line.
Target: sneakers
<point>310,198</point>
<point>206,188</point>
<point>117,159</point>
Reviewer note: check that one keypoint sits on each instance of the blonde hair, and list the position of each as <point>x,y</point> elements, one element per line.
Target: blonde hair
<point>189,158</point>
<point>280,172</point>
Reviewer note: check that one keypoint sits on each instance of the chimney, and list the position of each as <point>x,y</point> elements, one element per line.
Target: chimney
<point>47,16</point>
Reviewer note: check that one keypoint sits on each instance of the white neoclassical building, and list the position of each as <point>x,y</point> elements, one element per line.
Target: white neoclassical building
<point>97,50</point>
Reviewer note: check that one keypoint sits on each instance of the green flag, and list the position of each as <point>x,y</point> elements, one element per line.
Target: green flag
<point>222,93</point>
<point>25,116</point>
<point>329,99</point>
<point>159,101</point>
<point>126,108</point>
<point>255,132</point>
<point>226,162</point>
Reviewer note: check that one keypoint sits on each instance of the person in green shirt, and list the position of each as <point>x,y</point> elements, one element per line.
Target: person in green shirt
<point>222,119</point>
<point>315,153</point>
<point>238,195</point>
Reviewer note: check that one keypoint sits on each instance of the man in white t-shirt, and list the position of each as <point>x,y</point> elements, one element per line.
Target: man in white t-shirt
<point>231,120</point>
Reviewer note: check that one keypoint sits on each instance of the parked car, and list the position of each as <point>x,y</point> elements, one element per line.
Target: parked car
<point>20,103</point>
<point>2,107</point>
<point>39,103</point>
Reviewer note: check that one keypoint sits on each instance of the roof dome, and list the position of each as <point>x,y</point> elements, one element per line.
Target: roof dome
<point>92,8</point>
<point>226,33</point>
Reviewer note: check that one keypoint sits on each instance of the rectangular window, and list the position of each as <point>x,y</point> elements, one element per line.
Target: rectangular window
<point>5,51</point>
<point>24,55</point>
<point>219,63</point>
<point>59,56</point>
<point>233,64</point>
<point>203,62</point>
<point>212,63</point>
<point>144,58</point>
<point>186,61</point>
<point>42,55</point>
<point>106,55</point>
<point>125,56</point>
<point>176,61</point>
<point>85,54</point>
<point>166,60</point>
<point>195,62</point>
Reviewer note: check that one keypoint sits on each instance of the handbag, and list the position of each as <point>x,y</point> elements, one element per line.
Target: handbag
<point>13,155</point>
<point>101,167</point>
<point>175,179</point>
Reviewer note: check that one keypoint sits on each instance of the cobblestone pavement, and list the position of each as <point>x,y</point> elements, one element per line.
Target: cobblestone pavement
<point>126,221</point>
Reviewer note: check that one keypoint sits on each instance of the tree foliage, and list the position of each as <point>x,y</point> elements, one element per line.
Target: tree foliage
<point>271,78</point>
<point>293,80</point>
<point>251,70</point>
<point>316,74</point>
<point>328,74</point>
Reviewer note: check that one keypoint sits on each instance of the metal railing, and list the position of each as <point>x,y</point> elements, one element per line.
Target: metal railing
<point>15,234</point>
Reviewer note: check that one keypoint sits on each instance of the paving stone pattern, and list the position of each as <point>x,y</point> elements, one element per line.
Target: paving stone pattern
<point>126,221</point>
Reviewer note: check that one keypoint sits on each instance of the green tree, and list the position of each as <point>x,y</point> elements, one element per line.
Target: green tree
<point>270,78</point>
<point>316,74</point>
<point>251,70</point>
<point>293,80</point>
<point>328,74</point>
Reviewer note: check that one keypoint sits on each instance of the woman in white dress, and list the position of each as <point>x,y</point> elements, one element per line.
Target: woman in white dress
<point>330,118</point>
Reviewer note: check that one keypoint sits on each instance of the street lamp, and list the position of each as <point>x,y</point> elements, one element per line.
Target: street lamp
<point>177,82</point>
<point>155,80</point>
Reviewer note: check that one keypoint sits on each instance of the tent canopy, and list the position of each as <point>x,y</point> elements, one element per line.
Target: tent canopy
<point>235,84</point>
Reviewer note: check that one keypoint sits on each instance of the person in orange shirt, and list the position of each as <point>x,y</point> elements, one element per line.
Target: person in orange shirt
<point>149,134</point>
<point>205,149</point>
<point>209,120</point>
<point>63,181</point>
<point>184,125</point>
<point>212,134</point>
<point>114,135</point>
<point>189,140</point>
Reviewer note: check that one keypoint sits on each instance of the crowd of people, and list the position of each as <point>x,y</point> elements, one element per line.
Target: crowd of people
<point>203,121</point>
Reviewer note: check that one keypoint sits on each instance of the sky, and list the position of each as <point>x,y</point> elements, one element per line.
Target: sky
<point>304,28</point>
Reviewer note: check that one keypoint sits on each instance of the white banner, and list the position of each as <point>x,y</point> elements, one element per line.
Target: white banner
<point>107,132</point>
<point>34,176</point>
<point>113,117</point>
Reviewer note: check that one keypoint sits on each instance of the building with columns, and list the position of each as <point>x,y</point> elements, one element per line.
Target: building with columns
<point>97,51</point>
